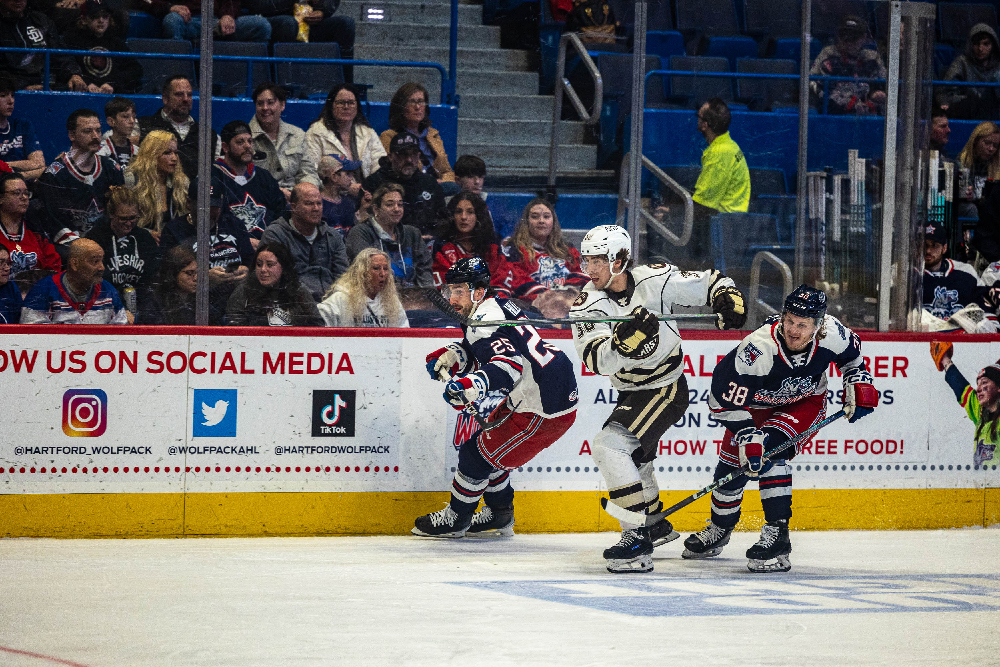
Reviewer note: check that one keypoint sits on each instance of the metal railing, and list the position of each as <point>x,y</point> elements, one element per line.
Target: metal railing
<point>756,304</point>
<point>448,95</point>
<point>644,219</point>
<point>563,84</point>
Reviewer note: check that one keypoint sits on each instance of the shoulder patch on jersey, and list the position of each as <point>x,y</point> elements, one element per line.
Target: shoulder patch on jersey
<point>659,265</point>
<point>584,328</point>
<point>750,353</point>
<point>580,299</point>
<point>841,331</point>
<point>511,308</point>
<point>689,274</point>
<point>55,167</point>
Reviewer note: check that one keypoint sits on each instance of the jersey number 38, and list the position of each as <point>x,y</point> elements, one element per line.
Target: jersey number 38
<point>736,395</point>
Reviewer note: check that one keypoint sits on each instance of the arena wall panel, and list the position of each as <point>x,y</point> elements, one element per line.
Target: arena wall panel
<point>154,432</point>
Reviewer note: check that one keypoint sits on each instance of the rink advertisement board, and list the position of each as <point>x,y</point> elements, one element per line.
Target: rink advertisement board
<point>115,410</point>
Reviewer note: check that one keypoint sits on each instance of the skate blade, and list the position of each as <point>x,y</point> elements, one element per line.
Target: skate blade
<point>633,566</point>
<point>506,531</point>
<point>694,555</point>
<point>666,538</point>
<point>455,535</point>
<point>778,564</point>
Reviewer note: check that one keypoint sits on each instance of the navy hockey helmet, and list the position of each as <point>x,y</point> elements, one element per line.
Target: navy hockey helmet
<point>472,271</point>
<point>805,301</point>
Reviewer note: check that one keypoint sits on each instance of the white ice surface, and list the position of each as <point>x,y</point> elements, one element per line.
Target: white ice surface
<point>852,598</point>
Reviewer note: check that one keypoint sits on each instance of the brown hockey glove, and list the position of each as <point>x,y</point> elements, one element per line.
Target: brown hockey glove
<point>637,338</point>
<point>728,303</point>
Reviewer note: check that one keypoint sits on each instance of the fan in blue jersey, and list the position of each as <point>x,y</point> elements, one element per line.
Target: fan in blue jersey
<point>768,390</point>
<point>540,404</point>
<point>951,287</point>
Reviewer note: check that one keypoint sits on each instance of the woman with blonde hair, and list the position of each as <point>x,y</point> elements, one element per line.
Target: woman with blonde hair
<point>540,258</point>
<point>159,181</point>
<point>365,296</point>
<point>982,158</point>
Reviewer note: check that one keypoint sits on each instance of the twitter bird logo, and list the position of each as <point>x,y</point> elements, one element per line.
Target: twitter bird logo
<point>214,413</point>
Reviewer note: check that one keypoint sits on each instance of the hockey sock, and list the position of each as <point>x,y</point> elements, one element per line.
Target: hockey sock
<point>726,500</point>
<point>466,492</point>
<point>776,492</point>
<point>499,494</point>
<point>650,487</point>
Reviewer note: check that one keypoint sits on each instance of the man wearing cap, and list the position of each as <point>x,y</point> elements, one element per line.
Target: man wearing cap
<point>848,57</point>
<point>949,285</point>
<point>175,117</point>
<point>423,199</point>
<point>345,202</point>
<point>103,74</point>
<point>25,28</point>
<point>318,250</point>
<point>249,193</point>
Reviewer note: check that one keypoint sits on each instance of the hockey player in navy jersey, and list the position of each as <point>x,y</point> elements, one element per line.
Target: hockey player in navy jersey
<point>769,389</point>
<point>643,359</point>
<point>540,405</point>
<point>951,286</point>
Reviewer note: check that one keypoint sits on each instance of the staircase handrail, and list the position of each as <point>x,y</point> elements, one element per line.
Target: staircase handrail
<point>644,217</point>
<point>754,298</point>
<point>563,84</point>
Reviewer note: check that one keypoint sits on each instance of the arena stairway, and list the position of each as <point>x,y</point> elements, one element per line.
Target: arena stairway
<point>501,116</point>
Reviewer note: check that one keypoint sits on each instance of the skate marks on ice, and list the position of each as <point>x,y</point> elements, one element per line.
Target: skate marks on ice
<point>658,595</point>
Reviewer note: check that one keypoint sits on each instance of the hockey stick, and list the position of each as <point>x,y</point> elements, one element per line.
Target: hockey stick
<point>647,520</point>
<point>445,307</point>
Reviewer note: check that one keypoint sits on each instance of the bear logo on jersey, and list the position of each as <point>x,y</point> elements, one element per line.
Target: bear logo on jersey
<point>580,299</point>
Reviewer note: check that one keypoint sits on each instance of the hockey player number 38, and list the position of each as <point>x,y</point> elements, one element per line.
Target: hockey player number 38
<point>736,395</point>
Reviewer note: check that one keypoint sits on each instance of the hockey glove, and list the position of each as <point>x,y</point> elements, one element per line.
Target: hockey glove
<point>753,443</point>
<point>728,303</point>
<point>466,389</point>
<point>637,338</point>
<point>447,362</point>
<point>860,395</point>
<point>941,351</point>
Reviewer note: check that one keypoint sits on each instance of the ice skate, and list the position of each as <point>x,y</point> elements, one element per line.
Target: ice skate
<point>444,523</point>
<point>662,531</point>
<point>706,543</point>
<point>770,554</point>
<point>492,522</point>
<point>633,553</point>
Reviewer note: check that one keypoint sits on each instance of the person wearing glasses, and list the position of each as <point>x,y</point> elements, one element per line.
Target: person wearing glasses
<point>131,255</point>
<point>27,250</point>
<point>171,299</point>
<point>343,130</point>
<point>409,111</point>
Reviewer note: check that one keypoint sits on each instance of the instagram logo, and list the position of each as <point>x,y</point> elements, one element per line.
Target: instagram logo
<point>84,413</point>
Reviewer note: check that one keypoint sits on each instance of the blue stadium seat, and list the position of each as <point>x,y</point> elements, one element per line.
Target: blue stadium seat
<point>731,48</point>
<point>229,77</point>
<point>767,94</point>
<point>157,70</point>
<point>737,237</point>
<point>698,90</point>
<point>791,49</point>
<point>767,182</point>
<point>658,14</point>
<point>783,208</point>
<point>664,43</point>
<point>956,18</point>
<point>775,19</point>
<point>307,79</point>
<point>944,56</point>
<point>710,17</point>
<point>141,24</point>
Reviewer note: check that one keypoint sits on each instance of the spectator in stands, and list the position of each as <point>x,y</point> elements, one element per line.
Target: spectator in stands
<point>468,232</point>
<point>365,296</point>
<point>271,295</point>
<point>940,131</point>
<point>342,129</point>
<point>19,147</point>
<point>341,211</point>
<point>951,286</point>
<point>724,182</point>
<point>848,57</point>
<point>78,295</point>
<point>470,174</point>
<point>21,27</point>
<point>318,250</point>
<point>321,24</point>
<point>555,304</point>
<point>159,180</point>
<point>131,254</point>
<point>231,253</point>
<point>540,258</point>
<point>10,296</point>
<point>102,74</point>
<point>119,114</point>
<point>182,21</point>
<point>409,111</point>
<point>986,235</point>
<point>424,198</point>
<point>981,157</point>
<point>979,62</point>
<point>249,193</point>
<point>175,116</point>
<point>27,250</point>
<point>410,258</point>
<point>171,301</point>
<point>74,187</point>
<point>281,143</point>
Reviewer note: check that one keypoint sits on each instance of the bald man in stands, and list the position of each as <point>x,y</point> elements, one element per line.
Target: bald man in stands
<point>78,295</point>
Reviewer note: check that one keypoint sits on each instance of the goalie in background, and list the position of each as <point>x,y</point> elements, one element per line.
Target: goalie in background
<point>643,359</point>
<point>982,404</point>
<point>768,390</point>
<point>540,404</point>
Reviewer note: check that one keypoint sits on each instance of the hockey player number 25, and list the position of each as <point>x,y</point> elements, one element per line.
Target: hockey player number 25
<point>736,395</point>
<point>535,342</point>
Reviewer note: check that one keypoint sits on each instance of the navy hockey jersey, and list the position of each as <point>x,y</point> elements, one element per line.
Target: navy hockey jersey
<point>951,288</point>
<point>538,377</point>
<point>255,199</point>
<point>762,373</point>
<point>74,201</point>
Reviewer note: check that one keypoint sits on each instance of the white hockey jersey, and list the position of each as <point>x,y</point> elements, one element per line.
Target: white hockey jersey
<point>659,288</point>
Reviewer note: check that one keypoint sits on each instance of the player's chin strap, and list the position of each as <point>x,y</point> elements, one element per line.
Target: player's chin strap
<point>611,264</point>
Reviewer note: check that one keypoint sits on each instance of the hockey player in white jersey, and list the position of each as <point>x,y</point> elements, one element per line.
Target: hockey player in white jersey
<point>643,359</point>
<point>540,385</point>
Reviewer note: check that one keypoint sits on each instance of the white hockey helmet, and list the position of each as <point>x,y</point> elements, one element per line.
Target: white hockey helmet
<point>606,240</point>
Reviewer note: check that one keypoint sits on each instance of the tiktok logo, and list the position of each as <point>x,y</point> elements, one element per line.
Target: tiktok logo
<point>333,413</point>
<point>334,410</point>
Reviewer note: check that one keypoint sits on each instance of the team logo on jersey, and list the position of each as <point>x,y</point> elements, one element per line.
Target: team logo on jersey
<point>22,261</point>
<point>580,299</point>
<point>214,413</point>
<point>551,272</point>
<point>35,35</point>
<point>250,213</point>
<point>791,389</point>
<point>333,413</point>
<point>945,302</point>
<point>750,354</point>
<point>658,265</point>
<point>841,331</point>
